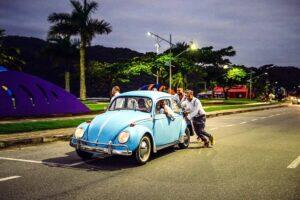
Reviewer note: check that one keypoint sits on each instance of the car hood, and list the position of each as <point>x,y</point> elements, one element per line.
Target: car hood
<point>107,126</point>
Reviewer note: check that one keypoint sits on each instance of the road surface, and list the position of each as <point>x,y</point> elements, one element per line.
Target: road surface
<point>256,156</point>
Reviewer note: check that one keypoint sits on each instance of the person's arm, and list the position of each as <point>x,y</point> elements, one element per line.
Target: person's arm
<point>169,112</point>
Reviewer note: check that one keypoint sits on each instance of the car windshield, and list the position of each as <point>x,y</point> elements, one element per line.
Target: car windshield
<point>143,104</point>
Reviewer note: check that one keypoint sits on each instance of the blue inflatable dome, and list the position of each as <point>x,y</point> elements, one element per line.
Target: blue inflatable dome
<point>26,95</point>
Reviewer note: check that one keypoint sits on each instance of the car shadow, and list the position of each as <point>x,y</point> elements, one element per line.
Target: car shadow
<point>101,162</point>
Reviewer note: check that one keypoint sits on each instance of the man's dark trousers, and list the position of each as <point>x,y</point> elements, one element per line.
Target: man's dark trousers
<point>199,126</point>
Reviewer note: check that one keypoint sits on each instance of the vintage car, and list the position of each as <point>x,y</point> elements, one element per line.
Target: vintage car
<point>133,125</point>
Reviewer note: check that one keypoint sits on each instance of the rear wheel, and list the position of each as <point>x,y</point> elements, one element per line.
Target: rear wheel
<point>83,154</point>
<point>143,151</point>
<point>186,140</point>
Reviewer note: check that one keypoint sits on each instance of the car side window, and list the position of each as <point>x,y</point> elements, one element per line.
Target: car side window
<point>175,106</point>
<point>159,109</point>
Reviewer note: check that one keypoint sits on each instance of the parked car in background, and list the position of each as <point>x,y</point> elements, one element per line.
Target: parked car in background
<point>133,126</point>
<point>295,99</point>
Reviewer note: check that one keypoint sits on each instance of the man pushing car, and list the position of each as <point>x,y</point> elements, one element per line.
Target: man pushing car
<point>196,114</point>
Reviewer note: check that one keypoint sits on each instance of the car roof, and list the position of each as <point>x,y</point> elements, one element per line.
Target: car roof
<point>147,93</point>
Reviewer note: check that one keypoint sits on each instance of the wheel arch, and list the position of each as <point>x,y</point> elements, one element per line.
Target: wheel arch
<point>153,146</point>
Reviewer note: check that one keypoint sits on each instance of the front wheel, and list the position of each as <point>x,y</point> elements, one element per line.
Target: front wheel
<point>83,154</point>
<point>186,140</point>
<point>143,151</point>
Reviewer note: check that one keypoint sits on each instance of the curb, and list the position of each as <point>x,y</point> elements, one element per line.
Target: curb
<point>242,111</point>
<point>38,140</point>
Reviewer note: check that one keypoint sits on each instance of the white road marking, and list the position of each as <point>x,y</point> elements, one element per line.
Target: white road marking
<point>253,120</point>
<point>277,114</point>
<point>47,163</point>
<point>8,178</point>
<point>229,125</point>
<point>271,115</point>
<point>213,129</point>
<point>295,163</point>
<point>243,122</point>
<point>263,117</point>
<point>23,160</point>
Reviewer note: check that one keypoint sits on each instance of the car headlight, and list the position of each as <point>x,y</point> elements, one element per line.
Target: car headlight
<point>123,137</point>
<point>79,133</point>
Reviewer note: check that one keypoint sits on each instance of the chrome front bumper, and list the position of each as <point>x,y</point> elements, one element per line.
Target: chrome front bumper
<point>104,148</point>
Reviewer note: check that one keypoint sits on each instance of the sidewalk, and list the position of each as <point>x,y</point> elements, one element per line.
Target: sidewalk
<point>8,140</point>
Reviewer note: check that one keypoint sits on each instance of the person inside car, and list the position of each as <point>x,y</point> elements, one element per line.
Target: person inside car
<point>165,109</point>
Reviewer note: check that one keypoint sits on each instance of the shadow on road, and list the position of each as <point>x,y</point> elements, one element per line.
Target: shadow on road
<point>101,162</point>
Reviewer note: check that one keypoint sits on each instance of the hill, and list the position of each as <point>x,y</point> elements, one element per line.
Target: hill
<point>38,63</point>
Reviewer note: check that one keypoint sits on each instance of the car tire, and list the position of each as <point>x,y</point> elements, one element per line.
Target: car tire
<point>83,154</point>
<point>186,140</point>
<point>143,152</point>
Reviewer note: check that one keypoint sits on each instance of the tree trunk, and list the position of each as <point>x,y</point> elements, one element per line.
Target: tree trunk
<point>82,68</point>
<point>225,93</point>
<point>67,81</point>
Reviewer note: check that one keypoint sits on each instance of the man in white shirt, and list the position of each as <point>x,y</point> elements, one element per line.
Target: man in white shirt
<point>179,97</point>
<point>196,114</point>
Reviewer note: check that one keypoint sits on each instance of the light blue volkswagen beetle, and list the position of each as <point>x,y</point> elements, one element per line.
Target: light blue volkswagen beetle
<point>134,125</point>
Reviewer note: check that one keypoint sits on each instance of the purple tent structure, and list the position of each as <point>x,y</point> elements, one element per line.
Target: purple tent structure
<point>23,95</point>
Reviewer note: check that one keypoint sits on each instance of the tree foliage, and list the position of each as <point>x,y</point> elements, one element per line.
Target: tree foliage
<point>9,57</point>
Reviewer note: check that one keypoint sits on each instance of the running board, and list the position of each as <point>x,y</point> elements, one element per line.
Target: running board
<point>167,145</point>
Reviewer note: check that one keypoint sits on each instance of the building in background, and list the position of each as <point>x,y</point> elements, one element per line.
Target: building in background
<point>237,91</point>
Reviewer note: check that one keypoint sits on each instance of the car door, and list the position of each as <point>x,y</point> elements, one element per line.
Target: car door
<point>164,127</point>
<point>177,123</point>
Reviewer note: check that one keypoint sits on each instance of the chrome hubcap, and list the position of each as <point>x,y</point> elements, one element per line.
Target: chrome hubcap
<point>144,149</point>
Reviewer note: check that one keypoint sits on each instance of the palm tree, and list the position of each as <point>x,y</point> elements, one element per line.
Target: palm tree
<point>79,22</point>
<point>63,51</point>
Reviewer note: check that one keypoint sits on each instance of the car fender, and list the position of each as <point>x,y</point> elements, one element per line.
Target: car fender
<point>183,127</point>
<point>136,133</point>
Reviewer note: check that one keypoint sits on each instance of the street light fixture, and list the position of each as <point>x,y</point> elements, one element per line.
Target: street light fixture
<point>225,67</point>
<point>193,46</point>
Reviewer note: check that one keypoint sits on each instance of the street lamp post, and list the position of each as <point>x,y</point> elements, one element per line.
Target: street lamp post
<point>159,39</point>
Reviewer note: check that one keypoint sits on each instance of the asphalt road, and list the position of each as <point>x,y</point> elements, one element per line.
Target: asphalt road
<point>255,157</point>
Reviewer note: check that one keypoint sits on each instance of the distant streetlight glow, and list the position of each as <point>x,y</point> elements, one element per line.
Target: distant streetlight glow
<point>193,46</point>
<point>225,67</point>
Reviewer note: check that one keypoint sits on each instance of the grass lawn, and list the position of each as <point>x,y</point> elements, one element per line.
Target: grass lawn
<point>228,107</point>
<point>97,106</point>
<point>42,125</point>
<point>239,101</point>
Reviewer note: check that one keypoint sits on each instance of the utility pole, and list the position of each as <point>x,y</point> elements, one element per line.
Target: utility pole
<point>250,85</point>
<point>157,45</point>
<point>170,67</point>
